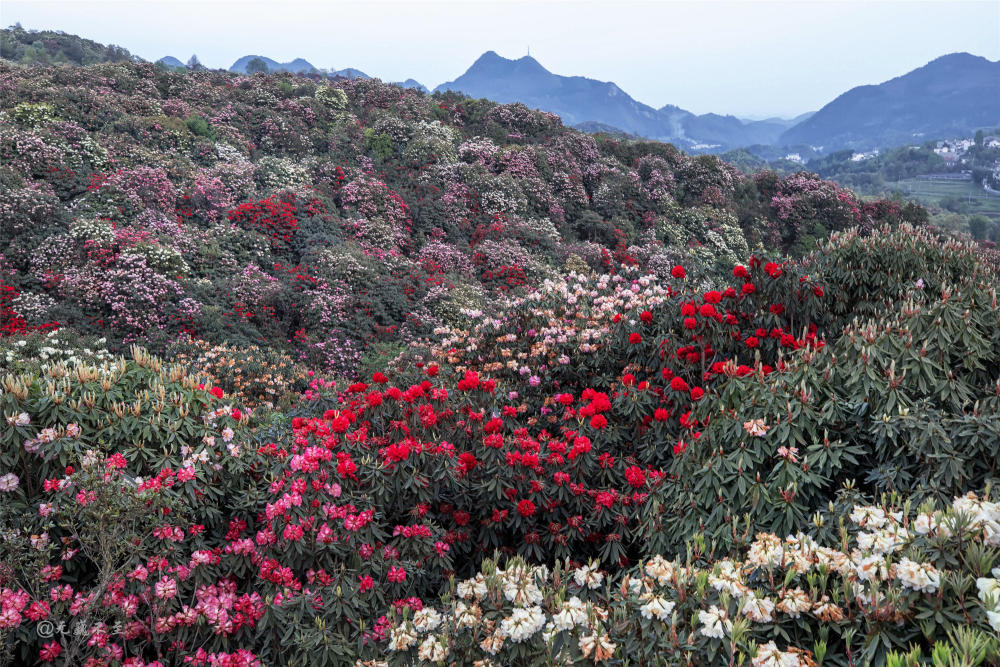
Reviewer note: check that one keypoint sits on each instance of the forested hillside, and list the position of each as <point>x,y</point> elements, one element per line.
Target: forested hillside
<point>324,372</point>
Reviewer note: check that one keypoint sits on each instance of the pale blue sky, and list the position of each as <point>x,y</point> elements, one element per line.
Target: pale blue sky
<point>745,58</point>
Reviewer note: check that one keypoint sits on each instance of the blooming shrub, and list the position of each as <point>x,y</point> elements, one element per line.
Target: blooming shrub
<point>783,601</point>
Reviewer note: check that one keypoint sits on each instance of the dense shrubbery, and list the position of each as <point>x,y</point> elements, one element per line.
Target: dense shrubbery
<point>324,217</point>
<point>617,392</point>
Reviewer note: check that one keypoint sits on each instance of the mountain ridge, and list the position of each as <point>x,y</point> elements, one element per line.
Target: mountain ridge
<point>952,95</point>
<point>581,100</point>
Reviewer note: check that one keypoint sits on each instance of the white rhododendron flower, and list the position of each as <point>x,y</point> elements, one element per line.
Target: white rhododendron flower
<point>758,609</point>
<point>714,622</point>
<point>657,608</point>
<point>588,576</point>
<point>523,623</point>
<point>426,619</point>
<point>768,655</point>
<point>432,650</point>
<point>918,576</point>
<point>572,614</point>
<point>402,637</point>
<point>8,483</point>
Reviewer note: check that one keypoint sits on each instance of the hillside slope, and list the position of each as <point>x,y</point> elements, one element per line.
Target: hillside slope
<point>951,96</point>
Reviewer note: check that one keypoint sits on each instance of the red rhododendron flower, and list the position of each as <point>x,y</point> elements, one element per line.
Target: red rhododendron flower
<point>646,316</point>
<point>469,381</point>
<point>494,425</point>
<point>466,462</point>
<point>635,338</point>
<point>217,392</point>
<point>678,384</point>
<point>678,272</point>
<point>526,508</point>
<point>707,310</point>
<point>690,323</point>
<point>50,652</point>
<point>748,288</point>
<point>752,341</point>
<point>740,271</point>
<point>634,476</point>
<point>598,421</point>
<point>697,393</point>
<point>713,297</point>
<point>366,583</point>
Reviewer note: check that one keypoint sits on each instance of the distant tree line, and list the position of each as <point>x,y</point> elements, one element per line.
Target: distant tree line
<point>48,47</point>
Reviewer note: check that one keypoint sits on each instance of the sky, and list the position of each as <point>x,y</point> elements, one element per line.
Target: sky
<point>752,59</point>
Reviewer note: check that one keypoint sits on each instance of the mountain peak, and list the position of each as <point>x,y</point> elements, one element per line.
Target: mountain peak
<point>489,58</point>
<point>962,58</point>
<point>493,64</point>
<point>952,95</point>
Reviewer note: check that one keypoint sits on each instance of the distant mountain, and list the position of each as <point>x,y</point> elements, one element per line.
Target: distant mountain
<point>712,128</point>
<point>593,127</point>
<point>170,61</point>
<point>786,122</point>
<point>575,99</point>
<point>951,96</point>
<point>583,102</point>
<point>412,83</point>
<point>297,66</point>
<point>349,73</point>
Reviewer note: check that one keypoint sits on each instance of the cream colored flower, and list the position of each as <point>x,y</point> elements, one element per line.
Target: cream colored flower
<point>757,609</point>
<point>600,646</point>
<point>827,611</point>
<point>572,614</point>
<point>658,608</point>
<point>756,427</point>
<point>426,619</point>
<point>402,637</point>
<point>714,622</point>
<point>588,576</point>
<point>918,576</point>
<point>494,642</point>
<point>794,602</point>
<point>924,524</point>
<point>432,650</point>
<point>768,655</point>
<point>523,623</point>
<point>472,588</point>
<point>466,616</point>
<point>660,569</point>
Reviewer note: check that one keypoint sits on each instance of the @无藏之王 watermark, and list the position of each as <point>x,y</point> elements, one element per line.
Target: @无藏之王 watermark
<point>48,629</point>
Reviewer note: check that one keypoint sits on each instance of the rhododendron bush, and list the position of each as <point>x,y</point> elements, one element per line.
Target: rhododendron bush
<point>145,229</point>
<point>333,372</point>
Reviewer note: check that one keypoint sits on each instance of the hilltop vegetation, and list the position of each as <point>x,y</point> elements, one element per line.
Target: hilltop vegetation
<point>318,372</point>
<point>325,219</point>
<point>47,47</point>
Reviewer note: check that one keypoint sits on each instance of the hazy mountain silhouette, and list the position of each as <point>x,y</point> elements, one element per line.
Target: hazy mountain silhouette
<point>950,96</point>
